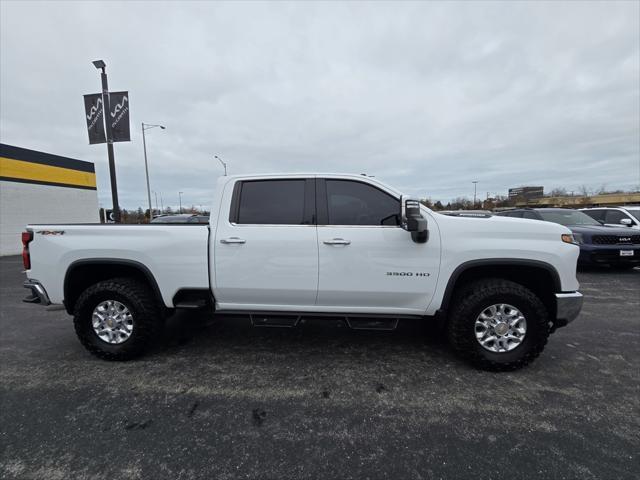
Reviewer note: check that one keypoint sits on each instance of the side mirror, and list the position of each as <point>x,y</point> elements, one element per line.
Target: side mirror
<point>626,221</point>
<point>412,219</point>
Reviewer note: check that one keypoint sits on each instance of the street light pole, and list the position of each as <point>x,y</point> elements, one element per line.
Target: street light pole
<point>100,65</point>
<point>180,199</point>
<point>475,188</point>
<point>156,195</point>
<point>223,164</point>
<point>145,127</point>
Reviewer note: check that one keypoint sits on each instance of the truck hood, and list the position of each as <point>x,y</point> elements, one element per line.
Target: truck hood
<point>501,226</point>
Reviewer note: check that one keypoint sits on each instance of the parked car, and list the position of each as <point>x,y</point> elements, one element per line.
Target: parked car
<point>282,247</point>
<point>616,216</point>
<point>615,246</point>
<point>181,218</point>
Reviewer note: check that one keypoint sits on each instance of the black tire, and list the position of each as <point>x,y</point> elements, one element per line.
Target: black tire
<point>138,298</point>
<point>475,297</point>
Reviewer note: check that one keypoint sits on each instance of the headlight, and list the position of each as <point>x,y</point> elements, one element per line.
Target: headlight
<point>575,238</point>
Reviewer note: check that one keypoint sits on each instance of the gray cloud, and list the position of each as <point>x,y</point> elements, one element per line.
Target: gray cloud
<point>425,96</point>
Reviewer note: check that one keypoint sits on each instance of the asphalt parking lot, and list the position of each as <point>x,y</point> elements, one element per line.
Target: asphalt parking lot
<point>223,400</point>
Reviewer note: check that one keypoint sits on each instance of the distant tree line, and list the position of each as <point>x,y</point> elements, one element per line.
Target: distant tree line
<point>500,201</point>
<point>463,203</point>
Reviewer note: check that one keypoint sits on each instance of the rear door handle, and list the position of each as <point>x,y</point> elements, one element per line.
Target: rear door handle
<point>337,241</point>
<point>230,240</point>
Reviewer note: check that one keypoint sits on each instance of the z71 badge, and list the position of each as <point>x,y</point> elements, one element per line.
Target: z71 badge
<point>408,274</point>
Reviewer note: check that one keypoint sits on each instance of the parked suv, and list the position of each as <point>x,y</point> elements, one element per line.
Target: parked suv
<point>615,246</point>
<point>616,216</point>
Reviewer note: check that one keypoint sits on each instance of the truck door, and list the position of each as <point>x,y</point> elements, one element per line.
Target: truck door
<point>266,249</point>
<point>368,263</point>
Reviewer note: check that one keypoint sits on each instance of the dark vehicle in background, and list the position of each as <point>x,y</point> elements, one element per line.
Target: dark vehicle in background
<point>618,247</point>
<point>181,218</point>
<point>616,216</point>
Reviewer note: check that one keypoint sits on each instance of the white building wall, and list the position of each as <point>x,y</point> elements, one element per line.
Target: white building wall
<point>24,203</point>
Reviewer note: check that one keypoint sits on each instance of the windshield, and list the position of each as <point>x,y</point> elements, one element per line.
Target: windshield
<point>568,217</point>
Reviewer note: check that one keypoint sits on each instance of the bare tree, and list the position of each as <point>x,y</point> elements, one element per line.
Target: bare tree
<point>584,191</point>
<point>558,192</point>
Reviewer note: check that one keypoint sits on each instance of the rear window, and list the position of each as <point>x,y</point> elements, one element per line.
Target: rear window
<point>271,202</point>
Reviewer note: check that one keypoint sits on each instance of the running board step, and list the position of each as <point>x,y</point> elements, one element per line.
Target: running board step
<point>291,321</point>
<point>283,321</point>
<point>372,323</point>
<point>192,304</point>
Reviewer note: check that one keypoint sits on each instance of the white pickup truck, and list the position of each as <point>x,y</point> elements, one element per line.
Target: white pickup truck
<point>282,247</point>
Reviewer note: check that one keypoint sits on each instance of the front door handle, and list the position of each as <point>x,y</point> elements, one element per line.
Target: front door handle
<point>230,240</point>
<point>337,241</point>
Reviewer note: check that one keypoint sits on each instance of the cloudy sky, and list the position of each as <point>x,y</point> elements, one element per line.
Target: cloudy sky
<point>425,96</point>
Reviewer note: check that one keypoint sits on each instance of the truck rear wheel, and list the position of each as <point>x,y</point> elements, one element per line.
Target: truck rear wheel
<point>498,324</point>
<point>117,319</point>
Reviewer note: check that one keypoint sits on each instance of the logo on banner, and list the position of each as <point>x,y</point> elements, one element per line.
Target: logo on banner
<point>95,110</point>
<point>94,113</point>
<point>119,116</point>
<point>120,106</point>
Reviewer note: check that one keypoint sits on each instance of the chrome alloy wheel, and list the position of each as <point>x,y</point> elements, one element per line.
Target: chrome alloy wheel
<point>112,322</point>
<point>500,328</point>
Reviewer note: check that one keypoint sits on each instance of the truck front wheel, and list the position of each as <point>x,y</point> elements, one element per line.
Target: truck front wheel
<point>117,319</point>
<point>498,324</point>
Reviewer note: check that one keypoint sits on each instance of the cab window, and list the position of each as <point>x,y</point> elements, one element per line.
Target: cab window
<point>271,202</point>
<point>596,214</point>
<point>356,203</point>
<point>614,216</point>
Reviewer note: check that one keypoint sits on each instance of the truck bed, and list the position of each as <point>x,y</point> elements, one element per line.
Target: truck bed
<point>175,254</point>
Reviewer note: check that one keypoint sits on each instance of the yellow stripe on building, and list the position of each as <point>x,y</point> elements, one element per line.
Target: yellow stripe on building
<point>20,170</point>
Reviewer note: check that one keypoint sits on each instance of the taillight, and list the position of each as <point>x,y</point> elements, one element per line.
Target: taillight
<point>26,257</point>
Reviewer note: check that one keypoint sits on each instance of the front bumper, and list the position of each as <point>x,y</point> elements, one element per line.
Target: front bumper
<point>608,254</point>
<point>568,306</point>
<point>38,293</point>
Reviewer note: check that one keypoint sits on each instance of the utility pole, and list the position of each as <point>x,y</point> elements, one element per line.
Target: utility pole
<point>223,164</point>
<point>475,185</point>
<point>146,126</point>
<point>100,65</point>
<point>156,194</point>
<point>180,200</point>
<point>146,171</point>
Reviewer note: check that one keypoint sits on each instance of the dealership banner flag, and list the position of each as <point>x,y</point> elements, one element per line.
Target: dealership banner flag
<point>94,114</point>
<point>119,116</point>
